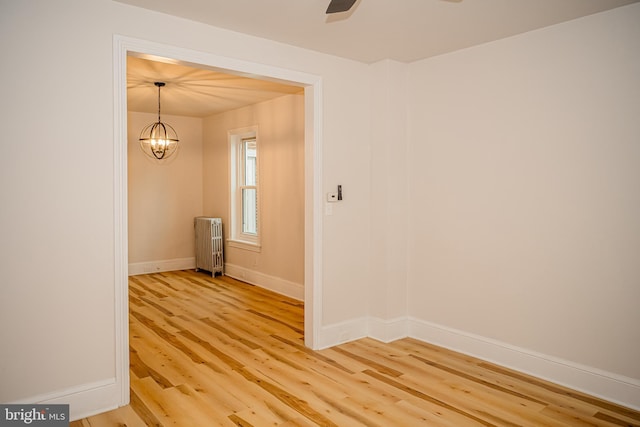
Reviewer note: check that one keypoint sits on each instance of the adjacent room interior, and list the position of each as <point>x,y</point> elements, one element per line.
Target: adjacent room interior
<point>207,108</point>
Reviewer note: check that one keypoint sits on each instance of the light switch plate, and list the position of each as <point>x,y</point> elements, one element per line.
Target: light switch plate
<point>328,209</point>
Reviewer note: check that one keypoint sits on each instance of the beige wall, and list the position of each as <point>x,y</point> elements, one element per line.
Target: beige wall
<point>525,201</point>
<point>280,125</point>
<point>164,197</point>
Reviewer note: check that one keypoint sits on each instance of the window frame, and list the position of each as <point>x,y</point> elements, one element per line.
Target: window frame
<point>238,238</point>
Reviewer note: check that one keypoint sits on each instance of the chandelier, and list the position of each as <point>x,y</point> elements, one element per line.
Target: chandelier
<point>159,140</point>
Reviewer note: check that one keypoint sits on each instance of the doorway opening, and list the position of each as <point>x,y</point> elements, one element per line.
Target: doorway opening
<point>124,47</point>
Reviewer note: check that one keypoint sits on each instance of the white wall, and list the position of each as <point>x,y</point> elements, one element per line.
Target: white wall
<point>57,220</point>
<point>163,198</point>
<point>389,198</point>
<point>524,199</point>
<point>280,124</point>
<point>523,165</point>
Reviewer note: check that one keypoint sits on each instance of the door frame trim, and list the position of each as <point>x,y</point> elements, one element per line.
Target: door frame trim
<point>124,46</point>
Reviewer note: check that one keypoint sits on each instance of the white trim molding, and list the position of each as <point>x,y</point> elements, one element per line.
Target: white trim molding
<point>388,330</point>
<point>312,291</point>
<point>342,332</point>
<point>148,267</point>
<point>121,239</point>
<point>272,283</point>
<point>247,246</point>
<point>81,399</point>
<point>606,385</point>
<point>592,381</point>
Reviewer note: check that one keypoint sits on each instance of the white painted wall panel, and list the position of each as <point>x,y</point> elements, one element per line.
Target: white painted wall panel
<point>525,166</point>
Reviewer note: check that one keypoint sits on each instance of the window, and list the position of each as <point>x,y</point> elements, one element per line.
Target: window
<point>249,187</point>
<point>245,209</point>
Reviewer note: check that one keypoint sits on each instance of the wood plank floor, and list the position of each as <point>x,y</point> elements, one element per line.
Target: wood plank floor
<point>218,352</point>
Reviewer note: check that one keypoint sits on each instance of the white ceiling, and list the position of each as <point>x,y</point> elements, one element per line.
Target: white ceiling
<point>403,30</point>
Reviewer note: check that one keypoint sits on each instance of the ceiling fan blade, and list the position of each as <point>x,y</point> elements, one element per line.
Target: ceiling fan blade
<point>337,6</point>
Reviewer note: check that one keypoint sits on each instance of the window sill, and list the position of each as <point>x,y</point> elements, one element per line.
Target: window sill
<point>241,244</point>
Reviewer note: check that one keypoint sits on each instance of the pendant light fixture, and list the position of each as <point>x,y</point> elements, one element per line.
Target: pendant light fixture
<point>159,140</point>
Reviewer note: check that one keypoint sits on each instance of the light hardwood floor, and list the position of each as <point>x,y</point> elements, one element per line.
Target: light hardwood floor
<point>218,352</point>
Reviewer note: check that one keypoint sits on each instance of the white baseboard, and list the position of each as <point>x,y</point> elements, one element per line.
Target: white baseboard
<point>595,382</point>
<point>606,385</point>
<point>84,400</point>
<point>93,398</point>
<point>339,333</point>
<point>372,327</point>
<point>275,284</point>
<point>388,330</point>
<point>137,268</point>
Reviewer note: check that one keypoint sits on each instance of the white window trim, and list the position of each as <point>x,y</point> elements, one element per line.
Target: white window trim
<point>240,244</point>
<point>236,237</point>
